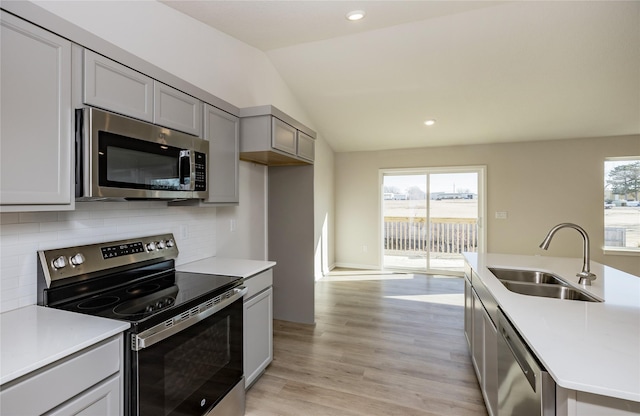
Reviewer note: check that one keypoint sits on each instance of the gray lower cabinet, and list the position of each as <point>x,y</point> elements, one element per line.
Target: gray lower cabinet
<point>258,326</point>
<point>221,129</point>
<point>112,86</point>
<point>86,383</point>
<point>490,376</point>
<point>482,337</point>
<point>36,128</point>
<point>468,310</point>
<point>100,400</point>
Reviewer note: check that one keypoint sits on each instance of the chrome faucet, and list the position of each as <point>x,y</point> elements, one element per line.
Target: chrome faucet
<point>585,276</point>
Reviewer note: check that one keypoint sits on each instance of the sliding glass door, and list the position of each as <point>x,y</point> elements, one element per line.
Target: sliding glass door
<point>430,216</point>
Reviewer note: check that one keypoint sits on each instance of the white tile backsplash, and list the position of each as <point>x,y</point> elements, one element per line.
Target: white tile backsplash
<point>23,234</point>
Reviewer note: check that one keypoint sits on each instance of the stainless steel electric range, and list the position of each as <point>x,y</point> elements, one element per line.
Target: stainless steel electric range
<point>183,352</point>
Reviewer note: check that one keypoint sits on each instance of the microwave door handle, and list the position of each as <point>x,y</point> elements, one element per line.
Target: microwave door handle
<point>184,168</point>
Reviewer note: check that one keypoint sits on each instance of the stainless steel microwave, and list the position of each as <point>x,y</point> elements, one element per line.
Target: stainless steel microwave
<point>119,157</point>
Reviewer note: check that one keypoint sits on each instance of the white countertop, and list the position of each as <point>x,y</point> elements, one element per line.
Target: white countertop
<point>585,346</point>
<point>227,266</point>
<point>35,336</point>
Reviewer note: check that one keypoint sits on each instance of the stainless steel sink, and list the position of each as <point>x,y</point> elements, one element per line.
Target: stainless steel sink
<point>538,283</point>
<point>549,291</point>
<point>530,276</point>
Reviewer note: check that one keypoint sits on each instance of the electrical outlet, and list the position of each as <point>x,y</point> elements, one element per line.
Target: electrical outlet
<point>232,225</point>
<point>364,249</point>
<point>501,215</point>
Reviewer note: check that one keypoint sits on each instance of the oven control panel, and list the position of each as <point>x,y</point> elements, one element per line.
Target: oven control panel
<point>78,261</point>
<point>122,250</point>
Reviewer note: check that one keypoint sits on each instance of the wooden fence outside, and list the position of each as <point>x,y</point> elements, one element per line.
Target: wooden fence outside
<point>445,235</point>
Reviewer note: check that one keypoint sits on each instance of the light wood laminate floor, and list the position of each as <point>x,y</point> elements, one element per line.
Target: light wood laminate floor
<point>385,344</point>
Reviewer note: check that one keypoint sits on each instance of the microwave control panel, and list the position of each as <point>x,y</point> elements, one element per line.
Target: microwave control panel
<point>201,172</point>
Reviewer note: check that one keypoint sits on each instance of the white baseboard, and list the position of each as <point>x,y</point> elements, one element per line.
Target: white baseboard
<point>355,266</point>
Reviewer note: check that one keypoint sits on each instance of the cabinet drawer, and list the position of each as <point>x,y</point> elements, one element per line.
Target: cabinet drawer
<point>61,380</point>
<point>258,283</point>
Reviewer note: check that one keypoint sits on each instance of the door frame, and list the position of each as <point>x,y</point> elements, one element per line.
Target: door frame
<point>480,170</point>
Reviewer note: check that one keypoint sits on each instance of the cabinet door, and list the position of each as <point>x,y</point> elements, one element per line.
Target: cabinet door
<point>115,87</point>
<point>221,129</point>
<point>101,400</point>
<point>258,335</point>
<point>35,131</point>
<point>468,311</point>
<point>283,136</point>
<point>490,377</point>
<point>175,109</point>
<point>306,146</point>
<point>477,340</point>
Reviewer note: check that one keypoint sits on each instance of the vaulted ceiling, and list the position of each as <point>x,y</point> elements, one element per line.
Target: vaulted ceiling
<point>487,72</point>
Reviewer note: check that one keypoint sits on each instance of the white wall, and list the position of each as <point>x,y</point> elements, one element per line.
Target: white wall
<point>324,209</point>
<point>539,184</point>
<point>241,230</point>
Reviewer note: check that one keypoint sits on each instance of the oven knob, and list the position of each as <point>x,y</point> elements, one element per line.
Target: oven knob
<point>59,263</point>
<point>170,243</point>
<point>161,245</point>
<point>77,260</point>
<point>151,246</point>
<point>149,308</point>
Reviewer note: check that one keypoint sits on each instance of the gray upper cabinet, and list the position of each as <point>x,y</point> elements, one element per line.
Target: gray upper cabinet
<point>306,146</point>
<point>283,136</point>
<point>221,129</point>
<point>35,133</point>
<point>177,110</point>
<point>267,139</point>
<point>118,88</point>
<point>115,87</point>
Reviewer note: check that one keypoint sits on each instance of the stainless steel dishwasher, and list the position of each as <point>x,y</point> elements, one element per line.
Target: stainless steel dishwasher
<point>524,387</point>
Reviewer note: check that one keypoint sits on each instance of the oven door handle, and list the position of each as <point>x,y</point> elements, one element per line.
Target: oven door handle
<point>168,328</point>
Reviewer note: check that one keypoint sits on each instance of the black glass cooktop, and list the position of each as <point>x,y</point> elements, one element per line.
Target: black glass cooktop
<point>154,299</point>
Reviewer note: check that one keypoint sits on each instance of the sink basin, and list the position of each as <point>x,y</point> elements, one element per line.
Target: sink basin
<point>529,276</point>
<point>557,291</point>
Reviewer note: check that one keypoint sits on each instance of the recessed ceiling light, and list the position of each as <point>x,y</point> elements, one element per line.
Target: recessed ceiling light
<point>430,122</point>
<point>355,15</point>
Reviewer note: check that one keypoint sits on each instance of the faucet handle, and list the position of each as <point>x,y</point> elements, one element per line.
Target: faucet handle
<point>585,278</point>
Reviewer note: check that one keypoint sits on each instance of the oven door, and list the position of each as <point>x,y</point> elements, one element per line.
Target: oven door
<point>191,370</point>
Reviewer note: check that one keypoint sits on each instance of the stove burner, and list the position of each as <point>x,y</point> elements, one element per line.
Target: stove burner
<point>97,303</point>
<point>142,289</point>
<point>137,308</point>
<point>147,304</point>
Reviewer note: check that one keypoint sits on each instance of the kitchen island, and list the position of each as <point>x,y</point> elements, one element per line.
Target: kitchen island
<point>590,349</point>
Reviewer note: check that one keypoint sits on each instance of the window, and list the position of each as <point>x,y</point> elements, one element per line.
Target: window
<point>622,204</point>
